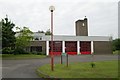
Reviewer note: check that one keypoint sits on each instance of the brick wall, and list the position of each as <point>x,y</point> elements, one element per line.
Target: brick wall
<point>102,47</point>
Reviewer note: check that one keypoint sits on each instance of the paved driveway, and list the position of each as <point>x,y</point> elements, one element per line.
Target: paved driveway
<point>26,68</point>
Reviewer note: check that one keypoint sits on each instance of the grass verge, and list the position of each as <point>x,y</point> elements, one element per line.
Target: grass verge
<point>102,69</point>
<point>22,56</point>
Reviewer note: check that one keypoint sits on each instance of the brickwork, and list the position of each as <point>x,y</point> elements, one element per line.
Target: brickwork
<point>81,27</point>
<point>102,47</point>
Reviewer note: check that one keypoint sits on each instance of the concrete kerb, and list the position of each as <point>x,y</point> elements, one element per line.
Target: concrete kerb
<point>45,76</point>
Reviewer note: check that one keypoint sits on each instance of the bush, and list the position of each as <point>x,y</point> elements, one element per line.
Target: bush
<point>34,52</point>
<point>37,53</point>
<point>92,65</point>
<point>7,50</point>
<point>116,52</point>
<point>116,44</point>
<point>20,51</point>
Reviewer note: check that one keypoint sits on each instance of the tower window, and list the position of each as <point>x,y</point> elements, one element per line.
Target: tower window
<point>83,24</point>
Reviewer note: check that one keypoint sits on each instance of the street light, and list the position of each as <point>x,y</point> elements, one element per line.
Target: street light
<point>52,8</point>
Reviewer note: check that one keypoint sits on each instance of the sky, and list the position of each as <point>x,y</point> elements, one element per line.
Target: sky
<point>102,15</point>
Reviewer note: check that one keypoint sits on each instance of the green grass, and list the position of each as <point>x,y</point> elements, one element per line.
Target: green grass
<point>22,56</point>
<point>102,69</point>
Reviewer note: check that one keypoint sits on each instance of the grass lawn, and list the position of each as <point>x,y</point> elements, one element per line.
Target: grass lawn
<point>102,69</point>
<point>22,56</point>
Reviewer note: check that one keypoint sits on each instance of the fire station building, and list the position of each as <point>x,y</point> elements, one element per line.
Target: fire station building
<point>72,45</point>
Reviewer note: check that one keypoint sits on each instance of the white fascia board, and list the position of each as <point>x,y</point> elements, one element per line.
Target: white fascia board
<point>76,38</point>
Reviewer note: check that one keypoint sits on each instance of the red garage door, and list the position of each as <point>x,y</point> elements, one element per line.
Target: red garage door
<point>71,47</point>
<point>85,47</point>
<point>57,47</point>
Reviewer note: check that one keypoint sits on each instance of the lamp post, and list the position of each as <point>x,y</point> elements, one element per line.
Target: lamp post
<point>52,8</point>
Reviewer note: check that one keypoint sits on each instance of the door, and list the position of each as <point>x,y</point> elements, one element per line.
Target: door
<point>85,47</point>
<point>57,47</point>
<point>71,47</point>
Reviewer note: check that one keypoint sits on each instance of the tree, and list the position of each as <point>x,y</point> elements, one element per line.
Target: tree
<point>116,44</point>
<point>40,31</point>
<point>48,32</point>
<point>8,35</point>
<point>0,37</point>
<point>24,37</point>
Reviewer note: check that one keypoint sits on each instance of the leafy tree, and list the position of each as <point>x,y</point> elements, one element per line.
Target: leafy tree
<point>0,37</point>
<point>116,44</point>
<point>8,35</point>
<point>23,38</point>
<point>48,32</point>
<point>41,31</point>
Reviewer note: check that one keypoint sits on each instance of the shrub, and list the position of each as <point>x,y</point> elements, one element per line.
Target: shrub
<point>116,44</point>
<point>116,52</point>
<point>20,51</point>
<point>92,65</point>
<point>37,53</point>
<point>34,52</point>
<point>40,53</point>
<point>7,50</point>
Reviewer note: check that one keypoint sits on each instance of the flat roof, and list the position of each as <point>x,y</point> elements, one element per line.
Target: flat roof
<point>76,38</point>
<point>69,37</point>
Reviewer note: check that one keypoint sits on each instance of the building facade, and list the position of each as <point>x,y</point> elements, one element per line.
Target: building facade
<point>72,45</point>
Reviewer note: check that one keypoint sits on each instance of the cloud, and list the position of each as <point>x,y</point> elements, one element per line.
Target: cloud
<point>102,15</point>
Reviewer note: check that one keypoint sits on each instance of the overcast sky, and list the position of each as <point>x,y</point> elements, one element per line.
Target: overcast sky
<point>102,15</point>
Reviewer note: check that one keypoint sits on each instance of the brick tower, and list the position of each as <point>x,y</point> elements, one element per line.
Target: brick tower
<point>81,27</point>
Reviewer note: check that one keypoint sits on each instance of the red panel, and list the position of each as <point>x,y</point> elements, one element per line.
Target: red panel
<point>56,53</point>
<point>71,47</point>
<point>87,52</point>
<point>85,47</point>
<point>57,47</point>
<point>72,53</point>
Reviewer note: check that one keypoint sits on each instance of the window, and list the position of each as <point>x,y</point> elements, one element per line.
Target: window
<point>40,38</point>
<point>36,38</point>
<point>36,49</point>
<point>83,24</point>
